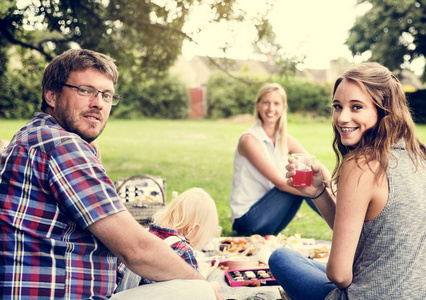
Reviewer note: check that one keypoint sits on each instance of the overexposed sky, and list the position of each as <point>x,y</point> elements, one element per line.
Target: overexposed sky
<point>317,29</point>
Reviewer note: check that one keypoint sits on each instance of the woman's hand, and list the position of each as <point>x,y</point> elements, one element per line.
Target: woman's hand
<point>317,184</point>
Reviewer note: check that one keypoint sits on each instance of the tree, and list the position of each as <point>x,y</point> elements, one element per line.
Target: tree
<point>145,37</point>
<point>393,31</point>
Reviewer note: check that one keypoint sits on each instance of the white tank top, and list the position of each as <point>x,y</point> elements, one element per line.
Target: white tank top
<point>248,184</point>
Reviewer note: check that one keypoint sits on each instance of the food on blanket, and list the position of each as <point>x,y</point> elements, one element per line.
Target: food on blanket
<point>321,252</point>
<point>263,274</point>
<point>237,245</point>
<point>256,238</point>
<point>250,277</point>
<point>226,243</point>
<point>223,261</point>
<point>270,237</point>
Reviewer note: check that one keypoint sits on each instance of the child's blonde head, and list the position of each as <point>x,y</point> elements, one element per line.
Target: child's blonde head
<point>193,213</point>
<point>3,143</point>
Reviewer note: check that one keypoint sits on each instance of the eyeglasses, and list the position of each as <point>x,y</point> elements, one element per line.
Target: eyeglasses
<point>89,91</point>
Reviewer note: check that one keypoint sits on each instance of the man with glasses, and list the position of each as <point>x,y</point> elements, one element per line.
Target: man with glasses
<point>62,223</point>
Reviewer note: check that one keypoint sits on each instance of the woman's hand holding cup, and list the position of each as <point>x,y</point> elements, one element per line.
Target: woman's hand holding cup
<point>316,184</point>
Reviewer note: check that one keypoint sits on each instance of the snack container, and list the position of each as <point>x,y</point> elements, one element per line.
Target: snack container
<point>250,277</point>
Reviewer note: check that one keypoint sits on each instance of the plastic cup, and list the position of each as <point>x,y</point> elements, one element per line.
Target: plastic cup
<point>303,162</point>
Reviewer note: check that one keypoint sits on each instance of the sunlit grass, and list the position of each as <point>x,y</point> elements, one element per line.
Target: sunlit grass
<point>199,153</point>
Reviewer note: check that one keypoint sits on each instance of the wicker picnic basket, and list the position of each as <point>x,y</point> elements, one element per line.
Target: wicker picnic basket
<point>143,195</point>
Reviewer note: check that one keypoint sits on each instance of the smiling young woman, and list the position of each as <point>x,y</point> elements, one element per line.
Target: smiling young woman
<point>354,112</point>
<point>378,209</point>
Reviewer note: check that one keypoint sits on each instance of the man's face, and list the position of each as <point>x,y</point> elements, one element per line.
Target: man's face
<point>85,116</point>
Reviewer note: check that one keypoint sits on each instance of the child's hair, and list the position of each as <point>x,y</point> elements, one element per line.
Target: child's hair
<point>96,147</point>
<point>3,143</point>
<point>194,206</point>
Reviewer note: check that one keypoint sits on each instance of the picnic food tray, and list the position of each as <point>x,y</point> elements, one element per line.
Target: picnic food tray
<point>250,277</point>
<point>143,195</point>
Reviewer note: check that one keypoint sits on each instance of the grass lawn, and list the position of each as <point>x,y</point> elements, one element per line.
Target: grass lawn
<point>199,153</point>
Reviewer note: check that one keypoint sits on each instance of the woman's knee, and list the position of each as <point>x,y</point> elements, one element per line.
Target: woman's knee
<point>280,257</point>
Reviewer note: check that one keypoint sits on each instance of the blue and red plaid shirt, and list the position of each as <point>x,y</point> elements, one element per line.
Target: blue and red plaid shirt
<point>52,187</point>
<point>181,247</point>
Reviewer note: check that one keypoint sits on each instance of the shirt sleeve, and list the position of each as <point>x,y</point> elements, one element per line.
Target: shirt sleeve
<point>80,185</point>
<point>184,251</point>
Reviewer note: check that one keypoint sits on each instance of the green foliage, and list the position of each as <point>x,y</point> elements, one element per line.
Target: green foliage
<point>394,31</point>
<point>227,96</point>
<point>307,96</point>
<point>164,98</point>
<point>145,38</point>
<point>20,93</point>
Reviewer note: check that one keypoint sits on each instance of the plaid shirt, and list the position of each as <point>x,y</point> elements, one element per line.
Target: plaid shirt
<point>182,248</point>
<point>52,187</point>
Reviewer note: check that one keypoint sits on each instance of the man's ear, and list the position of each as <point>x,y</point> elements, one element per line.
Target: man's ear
<point>50,97</point>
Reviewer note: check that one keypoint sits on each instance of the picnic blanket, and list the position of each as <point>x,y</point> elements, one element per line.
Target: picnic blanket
<point>259,248</point>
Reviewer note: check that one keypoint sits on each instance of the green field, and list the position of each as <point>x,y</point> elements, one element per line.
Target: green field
<point>199,153</point>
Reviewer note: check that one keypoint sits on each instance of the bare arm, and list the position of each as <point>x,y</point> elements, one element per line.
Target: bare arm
<point>249,147</point>
<point>357,189</point>
<point>360,198</point>
<point>142,252</point>
<point>325,203</point>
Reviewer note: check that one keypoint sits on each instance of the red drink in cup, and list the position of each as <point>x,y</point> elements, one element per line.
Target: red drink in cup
<point>302,178</point>
<point>303,162</point>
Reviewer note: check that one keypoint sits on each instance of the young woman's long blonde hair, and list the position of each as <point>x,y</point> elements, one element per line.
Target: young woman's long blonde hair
<point>281,126</point>
<point>194,206</point>
<point>394,121</point>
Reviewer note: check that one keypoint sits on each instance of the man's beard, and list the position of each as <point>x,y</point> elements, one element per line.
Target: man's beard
<point>66,121</point>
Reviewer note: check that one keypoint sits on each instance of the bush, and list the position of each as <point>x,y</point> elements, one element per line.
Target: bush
<point>20,92</point>
<point>166,98</point>
<point>307,96</point>
<point>227,96</point>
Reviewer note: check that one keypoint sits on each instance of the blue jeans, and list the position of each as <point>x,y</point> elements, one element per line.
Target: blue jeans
<point>300,277</point>
<point>271,214</point>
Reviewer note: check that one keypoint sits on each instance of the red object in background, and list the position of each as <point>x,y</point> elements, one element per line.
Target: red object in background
<point>197,103</point>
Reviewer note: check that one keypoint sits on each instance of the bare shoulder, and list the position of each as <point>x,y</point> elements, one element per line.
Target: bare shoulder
<point>247,143</point>
<point>360,168</point>
<point>246,138</point>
